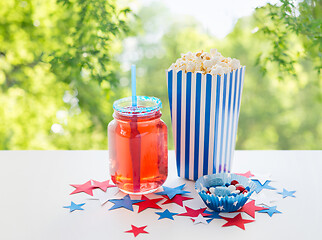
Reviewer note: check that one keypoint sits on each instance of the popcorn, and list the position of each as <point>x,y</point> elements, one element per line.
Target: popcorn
<point>235,64</point>
<point>203,62</point>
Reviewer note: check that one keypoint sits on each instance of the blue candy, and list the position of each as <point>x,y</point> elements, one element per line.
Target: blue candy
<point>227,184</point>
<point>222,191</point>
<point>247,188</point>
<point>216,182</point>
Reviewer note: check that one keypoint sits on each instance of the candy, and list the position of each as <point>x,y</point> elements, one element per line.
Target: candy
<point>247,188</point>
<point>234,182</point>
<point>212,190</point>
<point>227,184</point>
<point>204,189</point>
<point>245,191</point>
<point>232,188</point>
<point>222,191</point>
<point>216,182</point>
<point>208,192</point>
<point>236,192</point>
<point>240,188</point>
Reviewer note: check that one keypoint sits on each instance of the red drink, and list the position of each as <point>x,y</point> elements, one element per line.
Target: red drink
<point>137,139</point>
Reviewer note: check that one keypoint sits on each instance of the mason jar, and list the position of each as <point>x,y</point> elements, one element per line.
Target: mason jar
<point>138,145</point>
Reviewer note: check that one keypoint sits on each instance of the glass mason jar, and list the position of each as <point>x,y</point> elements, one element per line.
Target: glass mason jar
<point>138,145</point>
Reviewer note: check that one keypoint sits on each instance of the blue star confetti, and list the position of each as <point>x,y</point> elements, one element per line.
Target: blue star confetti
<point>286,193</point>
<point>166,214</point>
<point>260,187</point>
<point>171,192</point>
<point>270,211</point>
<point>125,202</point>
<point>213,215</point>
<point>73,206</point>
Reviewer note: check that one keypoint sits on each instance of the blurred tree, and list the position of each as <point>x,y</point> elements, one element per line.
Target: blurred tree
<point>57,74</point>
<point>279,22</point>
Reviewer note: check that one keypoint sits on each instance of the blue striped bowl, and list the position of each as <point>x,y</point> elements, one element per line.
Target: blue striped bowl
<point>228,203</point>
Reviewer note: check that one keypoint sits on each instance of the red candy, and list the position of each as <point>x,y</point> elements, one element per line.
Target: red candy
<point>208,192</point>
<point>240,188</point>
<point>234,182</point>
<point>245,191</point>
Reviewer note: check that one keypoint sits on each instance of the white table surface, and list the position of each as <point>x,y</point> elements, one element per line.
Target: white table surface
<point>35,186</point>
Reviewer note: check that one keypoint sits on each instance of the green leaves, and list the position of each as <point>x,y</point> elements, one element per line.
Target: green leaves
<point>49,49</point>
<point>279,23</point>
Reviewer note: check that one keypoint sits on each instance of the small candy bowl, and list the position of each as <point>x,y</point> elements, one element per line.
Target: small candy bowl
<point>228,203</point>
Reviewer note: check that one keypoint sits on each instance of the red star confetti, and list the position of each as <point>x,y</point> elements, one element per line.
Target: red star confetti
<point>194,212</point>
<point>148,203</point>
<point>246,174</point>
<point>178,199</point>
<point>250,208</point>
<point>236,221</point>
<point>137,230</point>
<point>86,188</point>
<point>102,185</point>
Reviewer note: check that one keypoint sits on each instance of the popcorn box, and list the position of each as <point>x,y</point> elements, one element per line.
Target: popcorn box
<point>204,115</point>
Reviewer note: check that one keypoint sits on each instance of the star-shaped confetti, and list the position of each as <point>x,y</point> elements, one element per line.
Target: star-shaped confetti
<point>148,203</point>
<point>73,206</point>
<point>236,221</point>
<point>171,192</point>
<point>286,193</point>
<point>137,230</point>
<point>199,219</point>
<point>212,215</point>
<point>250,208</point>
<point>125,202</point>
<point>178,199</point>
<point>166,214</point>
<point>194,212</point>
<point>260,187</point>
<point>262,178</point>
<point>102,185</point>
<point>270,211</point>
<point>86,188</point>
<point>262,199</point>
<point>102,196</point>
<point>246,174</point>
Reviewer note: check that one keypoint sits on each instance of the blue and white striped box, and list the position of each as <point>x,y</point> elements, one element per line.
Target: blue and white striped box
<point>204,114</point>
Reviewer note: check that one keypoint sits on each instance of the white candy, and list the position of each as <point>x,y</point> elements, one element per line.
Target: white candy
<point>212,190</point>
<point>236,191</point>
<point>232,188</point>
<point>204,189</point>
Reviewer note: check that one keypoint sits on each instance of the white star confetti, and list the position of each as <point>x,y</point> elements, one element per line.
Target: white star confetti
<point>199,219</point>
<point>262,178</point>
<point>102,196</point>
<point>262,199</point>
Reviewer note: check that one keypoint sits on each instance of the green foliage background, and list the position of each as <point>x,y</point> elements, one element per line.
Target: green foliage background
<point>60,70</point>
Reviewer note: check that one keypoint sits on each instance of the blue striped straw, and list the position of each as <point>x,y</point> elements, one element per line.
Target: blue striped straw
<point>133,80</point>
